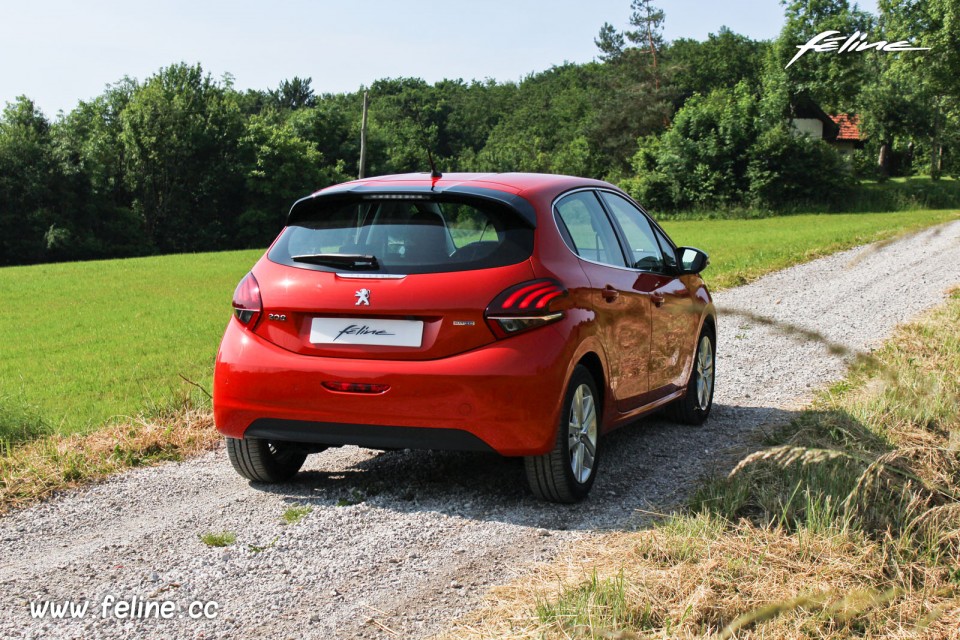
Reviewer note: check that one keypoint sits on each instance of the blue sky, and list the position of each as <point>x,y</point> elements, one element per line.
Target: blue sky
<point>58,52</point>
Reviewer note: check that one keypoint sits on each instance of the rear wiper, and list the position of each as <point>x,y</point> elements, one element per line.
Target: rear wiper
<point>356,262</point>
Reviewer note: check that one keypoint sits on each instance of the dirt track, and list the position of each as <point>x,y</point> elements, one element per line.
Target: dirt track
<point>403,542</point>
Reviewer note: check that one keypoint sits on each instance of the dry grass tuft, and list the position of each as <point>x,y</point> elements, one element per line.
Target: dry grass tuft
<point>34,470</point>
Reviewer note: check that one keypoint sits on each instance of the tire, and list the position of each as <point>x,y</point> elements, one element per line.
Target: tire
<point>694,407</point>
<point>263,460</point>
<point>567,473</point>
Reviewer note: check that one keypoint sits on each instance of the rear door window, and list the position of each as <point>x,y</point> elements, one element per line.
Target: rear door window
<point>404,235</point>
<point>643,247</point>
<point>587,230</point>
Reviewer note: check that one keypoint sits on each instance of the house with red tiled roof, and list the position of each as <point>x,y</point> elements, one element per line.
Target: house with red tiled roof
<point>848,135</point>
<point>841,131</point>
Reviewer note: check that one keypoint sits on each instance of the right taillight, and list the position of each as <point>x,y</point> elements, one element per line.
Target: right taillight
<point>525,306</point>
<point>247,304</point>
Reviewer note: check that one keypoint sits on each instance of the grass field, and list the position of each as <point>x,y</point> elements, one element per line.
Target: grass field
<point>84,343</point>
<point>742,250</point>
<point>87,343</point>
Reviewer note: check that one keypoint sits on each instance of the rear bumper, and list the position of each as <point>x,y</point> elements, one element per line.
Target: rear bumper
<point>503,397</point>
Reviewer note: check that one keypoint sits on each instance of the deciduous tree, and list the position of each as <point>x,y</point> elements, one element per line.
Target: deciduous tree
<point>180,136</point>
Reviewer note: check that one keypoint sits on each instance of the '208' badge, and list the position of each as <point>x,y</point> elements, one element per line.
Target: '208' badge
<point>363,297</point>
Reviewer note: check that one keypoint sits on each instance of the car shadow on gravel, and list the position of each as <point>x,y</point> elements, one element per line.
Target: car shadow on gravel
<point>647,467</point>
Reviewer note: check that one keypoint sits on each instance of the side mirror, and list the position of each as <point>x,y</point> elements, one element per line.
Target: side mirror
<point>692,260</point>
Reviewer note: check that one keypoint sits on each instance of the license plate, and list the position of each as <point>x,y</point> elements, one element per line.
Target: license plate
<point>384,333</point>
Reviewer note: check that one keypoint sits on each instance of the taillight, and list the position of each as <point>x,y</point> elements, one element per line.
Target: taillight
<point>525,306</point>
<point>247,304</point>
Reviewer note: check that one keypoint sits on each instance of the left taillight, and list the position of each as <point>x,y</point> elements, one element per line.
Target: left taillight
<point>525,306</point>
<point>247,304</point>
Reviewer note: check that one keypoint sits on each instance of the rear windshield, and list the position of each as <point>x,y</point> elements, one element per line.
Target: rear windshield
<point>392,234</point>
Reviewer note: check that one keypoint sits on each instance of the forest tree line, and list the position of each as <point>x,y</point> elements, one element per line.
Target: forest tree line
<point>182,161</point>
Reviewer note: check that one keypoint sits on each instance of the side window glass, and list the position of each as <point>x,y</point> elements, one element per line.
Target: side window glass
<point>645,253</point>
<point>589,229</point>
<point>669,255</point>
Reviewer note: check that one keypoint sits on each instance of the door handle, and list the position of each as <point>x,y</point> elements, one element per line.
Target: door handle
<point>657,299</point>
<point>609,293</point>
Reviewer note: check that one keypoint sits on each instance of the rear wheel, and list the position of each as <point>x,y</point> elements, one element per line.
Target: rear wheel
<point>264,460</point>
<point>695,406</point>
<point>567,473</point>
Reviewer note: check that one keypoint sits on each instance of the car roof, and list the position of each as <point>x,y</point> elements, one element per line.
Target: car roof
<point>515,183</point>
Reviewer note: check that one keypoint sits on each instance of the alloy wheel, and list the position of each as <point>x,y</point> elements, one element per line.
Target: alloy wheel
<point>582,433</point>
<point>704,372</point>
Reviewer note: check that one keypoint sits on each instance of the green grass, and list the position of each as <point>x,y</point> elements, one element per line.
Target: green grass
<point>901,194</point>
<point>219,539</point>
<point>295,514</point>
<point>598,605</point>
<point>86,343</point>
<point>742,250</point>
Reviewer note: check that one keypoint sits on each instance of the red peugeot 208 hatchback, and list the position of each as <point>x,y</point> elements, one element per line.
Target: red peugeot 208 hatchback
<point>519,313</point>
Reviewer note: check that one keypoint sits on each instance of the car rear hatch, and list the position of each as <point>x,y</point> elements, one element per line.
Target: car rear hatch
<point>404,275</point>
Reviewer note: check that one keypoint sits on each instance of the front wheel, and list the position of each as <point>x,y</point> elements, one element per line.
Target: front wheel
<point>694,407</point>
<point>263,460</point>
<point>567,473</point>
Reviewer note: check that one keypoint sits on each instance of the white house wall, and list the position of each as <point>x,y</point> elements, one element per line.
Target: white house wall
<point>809,127</point>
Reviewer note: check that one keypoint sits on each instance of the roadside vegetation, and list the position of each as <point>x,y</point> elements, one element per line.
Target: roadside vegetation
<point>893,194</point>
<point>33,470</point>
<point>843,523</point>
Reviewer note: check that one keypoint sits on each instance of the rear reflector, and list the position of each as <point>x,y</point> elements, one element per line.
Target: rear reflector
<point>356,387</point>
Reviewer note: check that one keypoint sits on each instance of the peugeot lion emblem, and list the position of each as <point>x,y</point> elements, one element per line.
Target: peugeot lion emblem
<point>363,297</point>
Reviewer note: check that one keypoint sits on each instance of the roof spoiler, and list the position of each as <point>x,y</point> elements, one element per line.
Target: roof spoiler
<point>357,191</point>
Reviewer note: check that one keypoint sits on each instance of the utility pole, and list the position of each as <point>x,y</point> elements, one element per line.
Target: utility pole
<point>363,138</point>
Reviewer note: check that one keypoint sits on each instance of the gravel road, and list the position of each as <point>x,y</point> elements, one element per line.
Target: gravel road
<point>398,544</point>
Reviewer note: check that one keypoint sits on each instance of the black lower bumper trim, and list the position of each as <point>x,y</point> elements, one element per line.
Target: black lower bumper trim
<point>364,435</point>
